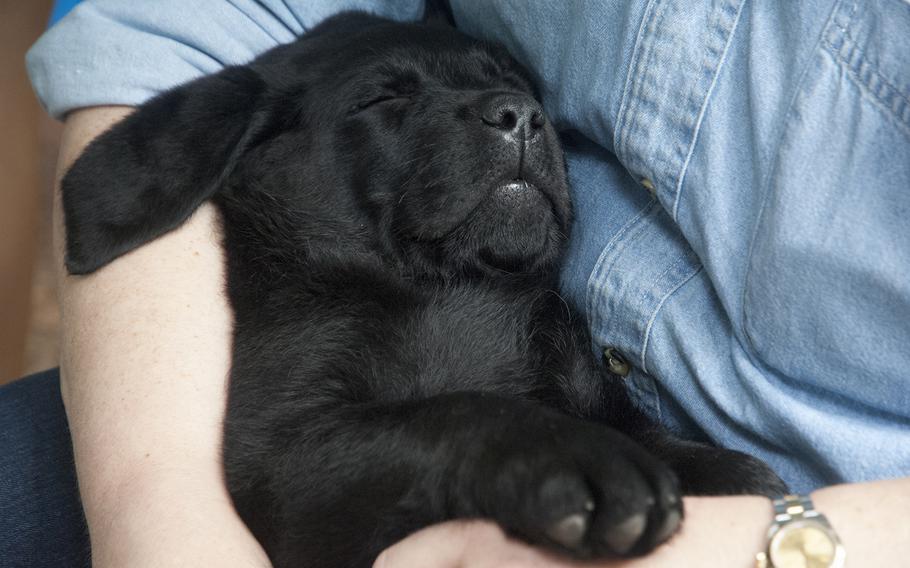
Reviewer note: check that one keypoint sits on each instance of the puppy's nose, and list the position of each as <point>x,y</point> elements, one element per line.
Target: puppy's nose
<point>514,114</point>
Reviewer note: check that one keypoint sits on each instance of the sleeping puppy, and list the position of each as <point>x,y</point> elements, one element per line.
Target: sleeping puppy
<point>395,207</point>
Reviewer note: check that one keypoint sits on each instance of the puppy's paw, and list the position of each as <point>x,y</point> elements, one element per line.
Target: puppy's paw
<point>587,491</point>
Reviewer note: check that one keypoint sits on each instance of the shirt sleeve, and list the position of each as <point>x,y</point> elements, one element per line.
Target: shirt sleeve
<point>110,52</point>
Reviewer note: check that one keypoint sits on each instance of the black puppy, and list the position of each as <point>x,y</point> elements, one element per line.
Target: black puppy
<point>395,207</point>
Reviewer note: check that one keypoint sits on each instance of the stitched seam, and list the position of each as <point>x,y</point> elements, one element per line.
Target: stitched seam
<point>766,186</point>
<point>861,63</point>
<point>895,96</point>
<point>642,299</point>
<point>604,271</point>
<point>627,87</point>
<point>252,18</point>
<point>633,233</point>
<point>645,66</point>
<point>855,47</point>
<point>294,15</point>
<point>901,116</point>
<point>645,292</point>
<point>701,114</point>
<point>660,304</point>
<point>637,69</point>
<point>599,272</point>
<point>647,385</point>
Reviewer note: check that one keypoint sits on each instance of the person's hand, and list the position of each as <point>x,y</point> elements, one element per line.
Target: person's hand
<point>717,531</point>
<point>466,544</point>
<point>725,531</point>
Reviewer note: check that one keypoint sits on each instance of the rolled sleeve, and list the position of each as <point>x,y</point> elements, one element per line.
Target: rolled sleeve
<point>109,52</point>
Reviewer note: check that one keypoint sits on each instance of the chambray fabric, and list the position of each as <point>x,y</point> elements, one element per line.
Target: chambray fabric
<point>41,519</point>
<point>742,178</point>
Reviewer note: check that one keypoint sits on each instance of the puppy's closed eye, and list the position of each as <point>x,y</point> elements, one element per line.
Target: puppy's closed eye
<point>378,100</point>
<point>397,85</point>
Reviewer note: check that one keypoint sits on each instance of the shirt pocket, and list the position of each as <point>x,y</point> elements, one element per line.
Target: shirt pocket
<point>827,294</point>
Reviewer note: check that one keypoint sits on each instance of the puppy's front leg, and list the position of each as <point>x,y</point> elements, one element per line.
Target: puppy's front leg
<point>708,470</point>
<point>358,478</point>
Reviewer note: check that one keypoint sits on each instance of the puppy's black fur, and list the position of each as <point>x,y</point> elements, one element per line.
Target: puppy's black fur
<point>395,207</point>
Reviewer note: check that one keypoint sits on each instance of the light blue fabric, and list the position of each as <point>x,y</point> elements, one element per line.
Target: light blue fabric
<point>110,51</point>
<point>761,290</point>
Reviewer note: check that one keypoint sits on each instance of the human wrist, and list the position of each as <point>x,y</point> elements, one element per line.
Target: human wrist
<point>870,519</point>
<point>717,531</point>
<point>726,531</point>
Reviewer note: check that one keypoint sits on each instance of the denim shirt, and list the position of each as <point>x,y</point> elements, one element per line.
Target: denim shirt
<point>741,175</point>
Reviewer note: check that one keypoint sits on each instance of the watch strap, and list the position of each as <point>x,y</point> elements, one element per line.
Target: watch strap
<point>790,507</point>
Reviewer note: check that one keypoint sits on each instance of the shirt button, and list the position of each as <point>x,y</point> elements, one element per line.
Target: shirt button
<point>615,362</point>
<point>647,184</point>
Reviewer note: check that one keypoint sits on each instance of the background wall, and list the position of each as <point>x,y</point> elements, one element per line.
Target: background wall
<point>28,148</point>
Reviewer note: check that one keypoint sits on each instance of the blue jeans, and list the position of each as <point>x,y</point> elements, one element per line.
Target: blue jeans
<point>41,518</point>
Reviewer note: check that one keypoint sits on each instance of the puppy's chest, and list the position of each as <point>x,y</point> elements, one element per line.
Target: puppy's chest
<point>462,339</point>
<point>374,336</point>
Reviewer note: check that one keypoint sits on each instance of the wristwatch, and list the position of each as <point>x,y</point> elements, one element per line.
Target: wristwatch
<point>800,537</point>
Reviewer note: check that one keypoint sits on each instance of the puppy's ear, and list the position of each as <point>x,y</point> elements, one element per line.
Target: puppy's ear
<point>146,175</point>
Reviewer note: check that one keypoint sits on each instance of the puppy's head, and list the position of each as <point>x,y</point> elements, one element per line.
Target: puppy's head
<point>446,141</point>
<point>436,138</point>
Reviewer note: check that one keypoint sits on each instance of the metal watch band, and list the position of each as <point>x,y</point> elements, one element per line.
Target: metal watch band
<point>791,507</point>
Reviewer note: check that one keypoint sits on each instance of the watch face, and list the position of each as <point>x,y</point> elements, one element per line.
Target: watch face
<point>802,545</point>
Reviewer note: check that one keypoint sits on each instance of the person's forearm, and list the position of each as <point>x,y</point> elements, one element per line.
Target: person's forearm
<point>718,531</point>
<point>870,519</point>
<point>144,364</point>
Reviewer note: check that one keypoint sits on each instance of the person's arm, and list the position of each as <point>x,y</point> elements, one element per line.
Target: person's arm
<point>870,518</point>
<point>144,365</point>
